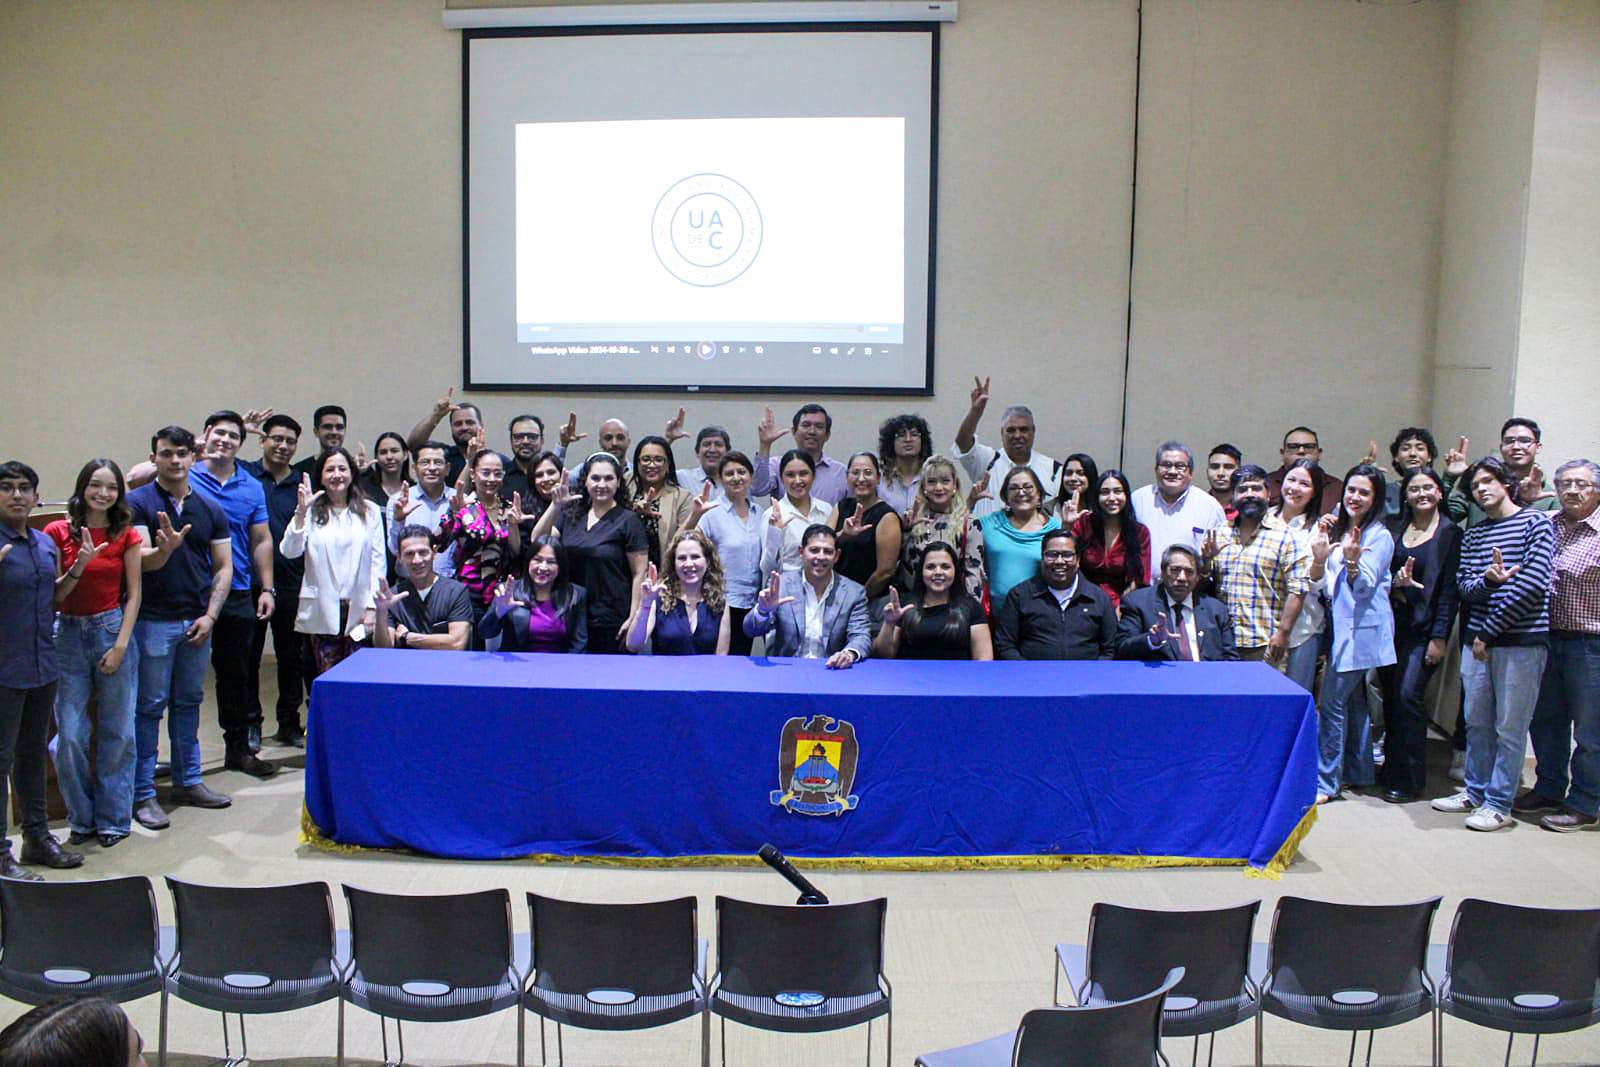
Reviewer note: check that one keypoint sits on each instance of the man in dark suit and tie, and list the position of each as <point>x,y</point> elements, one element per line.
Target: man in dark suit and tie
<point>815,614</point>
<point>1171,620</point>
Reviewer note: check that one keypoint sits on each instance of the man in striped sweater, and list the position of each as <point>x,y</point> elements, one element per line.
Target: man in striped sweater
<point>1504,579</point>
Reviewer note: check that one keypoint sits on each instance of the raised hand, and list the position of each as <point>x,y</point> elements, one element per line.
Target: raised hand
<point>650,588</point>
<point>779,518</point>
<point>1321,543</point>
<point>1159,632</point>
<point>87,549</point>
<point>1405,577</point>
<point>474,445</point>
<point>169,540</point>
<point>305,497</point>
<point>1371,457</point>
<point>1211,546</point>
<point>646,505</point>
<point>768,430</point>
<point>675,429</point>
<point>361,456</point>
<point>503,600</point>
<point>768,599</point>
<point>979,491</point>
<point>1497,573</point>
<point>444,404</point>
<point>569,430</point>
<point>561,494</point>
<point>853,526</point>
<point>1532,487</point>
<point>387,598</point>
<point>1071,512</point>
<point>516,517</point>
<point>403,504</point>
<point>702,502</point>
<point>1350,544</point>
<point>1455,460</point>
<point>253,420</point>
<point>893,610</point>
<point>980,395</point>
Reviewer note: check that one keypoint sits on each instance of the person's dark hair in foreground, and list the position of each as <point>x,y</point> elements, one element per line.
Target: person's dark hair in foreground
<point>72,1032</point>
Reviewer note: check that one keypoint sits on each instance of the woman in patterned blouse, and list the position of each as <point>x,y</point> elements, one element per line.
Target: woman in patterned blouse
<point>940,514</point>
<point>484,532</point>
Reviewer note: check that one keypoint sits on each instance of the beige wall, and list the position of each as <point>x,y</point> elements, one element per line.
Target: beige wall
<point>258,202</point>
<point>1558,353</point>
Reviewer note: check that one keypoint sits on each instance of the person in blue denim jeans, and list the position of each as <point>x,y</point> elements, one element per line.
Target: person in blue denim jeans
<point>97,600</point>
<point>188,568</point>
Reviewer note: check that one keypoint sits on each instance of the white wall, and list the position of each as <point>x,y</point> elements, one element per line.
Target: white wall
<point>1559,336</point>
<point>258,203</point>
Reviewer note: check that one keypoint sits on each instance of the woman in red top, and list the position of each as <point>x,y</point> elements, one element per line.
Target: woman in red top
<point>1113,546</point>
<point>97,597</point>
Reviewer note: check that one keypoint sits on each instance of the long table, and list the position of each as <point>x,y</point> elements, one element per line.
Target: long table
<point>484,755</point>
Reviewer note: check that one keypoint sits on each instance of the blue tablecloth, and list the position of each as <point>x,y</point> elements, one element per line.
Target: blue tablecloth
<point>480,755</point>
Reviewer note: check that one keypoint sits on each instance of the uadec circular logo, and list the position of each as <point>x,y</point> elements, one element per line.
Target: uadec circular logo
<point>706,229</point>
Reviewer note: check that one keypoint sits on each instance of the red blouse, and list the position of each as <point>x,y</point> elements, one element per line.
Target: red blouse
<point>1107,566</point>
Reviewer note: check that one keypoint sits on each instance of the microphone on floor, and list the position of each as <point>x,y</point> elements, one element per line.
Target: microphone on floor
<point>809,894</point>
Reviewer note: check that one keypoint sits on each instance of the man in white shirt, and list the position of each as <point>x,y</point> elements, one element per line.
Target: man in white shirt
<point>980,461</point>
<point>815,614</point>
<point>1172,510</point>
<point>1172,620</point>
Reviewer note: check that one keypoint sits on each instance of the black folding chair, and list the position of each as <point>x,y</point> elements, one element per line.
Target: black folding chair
<point>801,969</point>
<point>1349,967</point>
<point>615,967</point>
<point>1522,970</point>
<point>431,958</point>
<point>253,950</point>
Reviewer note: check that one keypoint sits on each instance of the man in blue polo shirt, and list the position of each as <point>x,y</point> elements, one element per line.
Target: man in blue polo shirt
<point>188,570</point>
<point>219,479</point>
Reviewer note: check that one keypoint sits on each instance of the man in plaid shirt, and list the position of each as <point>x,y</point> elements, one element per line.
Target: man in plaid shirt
<point>1259,569</point>
<point>1569,693</point>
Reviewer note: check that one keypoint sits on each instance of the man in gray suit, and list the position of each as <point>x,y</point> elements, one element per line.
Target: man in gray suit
<point>1171,620</point>
<point>815,614</point>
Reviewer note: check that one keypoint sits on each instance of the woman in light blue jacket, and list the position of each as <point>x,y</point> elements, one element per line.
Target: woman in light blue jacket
<point>1350,553</point>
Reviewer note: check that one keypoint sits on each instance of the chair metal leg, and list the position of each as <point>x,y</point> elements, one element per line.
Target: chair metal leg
<point>1370,1035</point>
<point>1350,1061</point>
<point>383,1033</point>
<point>561,1052</point>
<point>1258,1039</point>
<point>1509,1038</point>
<point>1535,1051</point>
<point>400,1039</point>
<point>705,1037</point>
<point>544,1057</point>
<point>340,1061</point>
<point>722,1022</point>
<point>1211,1049</point>
<point>888,1029</point>
<point>869,1043</point>
<point>161,1038</point>
<point>522,1057</point>
<point>1194,1057</point>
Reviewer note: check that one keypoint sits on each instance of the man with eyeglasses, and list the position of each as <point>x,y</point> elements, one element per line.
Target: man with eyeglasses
<point>1298,444</point>
<point>1566,721</point>
<point>1056,614</point>
<point>280,438</point>
<point>1519,451</point>
<point>1172,510</point>
<point>527,441</point>
<point>426,503</point>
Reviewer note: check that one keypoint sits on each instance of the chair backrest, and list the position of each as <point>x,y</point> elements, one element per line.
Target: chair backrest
<point>1125,1034</point>
<point>832,949</point>
<point>649,949</point>
<point>1130,950</point>
<point>1319,947</point>
<point>284,932</point>
<point>1502,950</point>
<point>106,928</point>
<point>460,940</point>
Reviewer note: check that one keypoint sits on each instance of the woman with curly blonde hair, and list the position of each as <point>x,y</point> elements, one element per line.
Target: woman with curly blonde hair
<point>684,613</point>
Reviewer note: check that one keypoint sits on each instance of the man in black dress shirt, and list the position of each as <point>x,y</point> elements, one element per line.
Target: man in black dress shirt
<point>425,610</point>
<point>1055,614</point>
<point>1171,620</point>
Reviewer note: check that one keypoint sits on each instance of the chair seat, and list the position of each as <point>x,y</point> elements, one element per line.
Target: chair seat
<point>461,1002</point>
<point>35,989</point>
<point>575,1009</point>
<point>1388,1010</point>
<point>834,1013</point>
<point>1204,1017</point>
<point>1501,1013</point>
<point>275,996</point>
<point>995,1052</point>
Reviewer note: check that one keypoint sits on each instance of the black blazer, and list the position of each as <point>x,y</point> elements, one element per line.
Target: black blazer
<point>1429,612</point>
<point>1213,626</point>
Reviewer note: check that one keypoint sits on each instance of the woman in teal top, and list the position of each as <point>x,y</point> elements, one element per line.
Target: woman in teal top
<point>1012,535</point>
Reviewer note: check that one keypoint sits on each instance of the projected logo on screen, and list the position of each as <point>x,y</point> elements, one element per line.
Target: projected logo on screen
<point>706,229</point>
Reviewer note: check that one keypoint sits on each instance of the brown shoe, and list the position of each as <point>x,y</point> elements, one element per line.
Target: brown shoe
<point>1566,822</point>
<point>10,868</point>
<point>43,850</point>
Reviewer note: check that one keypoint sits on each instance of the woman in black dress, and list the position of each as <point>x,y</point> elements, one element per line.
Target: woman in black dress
<point>941,621</point>
<point>1427,547</point>
<point>869,530</point>
<point>606,546</point>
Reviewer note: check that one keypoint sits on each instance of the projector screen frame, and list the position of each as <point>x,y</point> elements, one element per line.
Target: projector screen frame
<point>470,35</point>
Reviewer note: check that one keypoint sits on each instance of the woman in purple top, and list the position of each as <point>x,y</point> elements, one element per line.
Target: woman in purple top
<point>685,613</point>
<point>540,612</point>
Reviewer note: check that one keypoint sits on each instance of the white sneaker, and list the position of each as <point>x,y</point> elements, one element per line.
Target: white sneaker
<point>1458,768</point>
<point>1487,819</point>
<point>1455,803</point>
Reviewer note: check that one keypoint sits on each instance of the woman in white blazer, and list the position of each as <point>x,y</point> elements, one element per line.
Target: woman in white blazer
<point>340,534</point>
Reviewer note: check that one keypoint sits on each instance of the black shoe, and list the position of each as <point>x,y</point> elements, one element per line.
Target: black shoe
<point>1399,796</point>
<point>197,796</point>
<point>78,837</point>
<point>290,737</point>
<point>150,815</point>
<point>250,763</point>
<point>1528,802</point>
<point>163,768</point>
<point>10,869</point>
<point>43,850</point>
<point>111,840</point>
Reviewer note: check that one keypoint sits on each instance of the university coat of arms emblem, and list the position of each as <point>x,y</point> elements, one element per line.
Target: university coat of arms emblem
<point>817,766</point>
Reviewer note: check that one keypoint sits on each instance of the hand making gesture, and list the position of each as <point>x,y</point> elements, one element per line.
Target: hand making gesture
<point>87,549</point>
<point>569,430</point>
<point>253,420</point>
<point>646,505</point>
<point>853,526</point>
<point>503,600</point>
<point>1071,512</point>
<point>979,491</point>
<point>675,430</point>
<point>1159,633</point>
<point>1455,460</point>
<point>1211,546</point>
<point>768,431</point>
<point>387,598</point>
<point>1532,488</point>
<point>403,504</point>
<point>650,588</point>
<point>768,600</point>
<point>1405,577</point>
<point>893,610</point>
<point>1321,544</point>
<point>702,503</point>
<point>980,397</point>
<point>1497,573</point>
<point>169,540</point>
<point>304,499</point>
<point>444,404</point>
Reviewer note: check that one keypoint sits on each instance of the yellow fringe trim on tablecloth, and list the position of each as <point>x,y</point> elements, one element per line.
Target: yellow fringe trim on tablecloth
<point>312,835</point>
